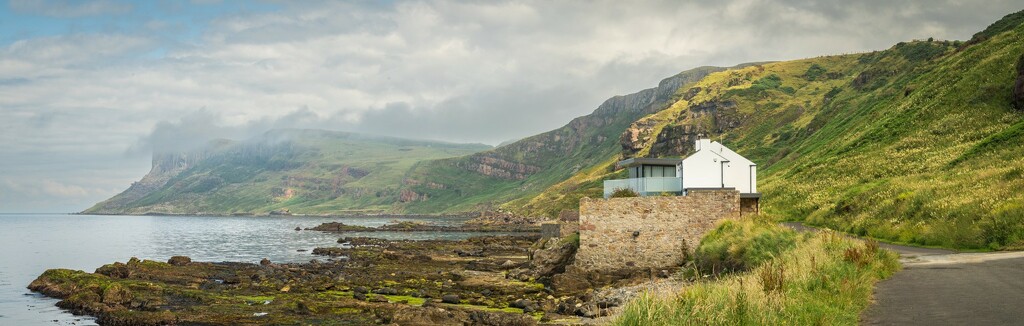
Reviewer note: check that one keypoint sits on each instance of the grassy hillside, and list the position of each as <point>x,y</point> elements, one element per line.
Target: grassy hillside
<point>919,143</point>
<point>526,167</point>
<point>303,171</point>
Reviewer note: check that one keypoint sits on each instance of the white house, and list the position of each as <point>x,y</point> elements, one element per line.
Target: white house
<point>716,166</point>
<point>712,166</point>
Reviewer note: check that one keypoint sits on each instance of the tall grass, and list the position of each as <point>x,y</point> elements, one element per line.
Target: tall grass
<point>826,279</point>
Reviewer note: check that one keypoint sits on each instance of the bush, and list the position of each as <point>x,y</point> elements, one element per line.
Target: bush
<point>814,72</point>
<point>624,192</point>
<point>742,245</point>
<point>1003,227</point>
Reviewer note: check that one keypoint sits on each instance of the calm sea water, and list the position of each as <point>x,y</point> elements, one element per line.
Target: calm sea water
<point>33,243</point>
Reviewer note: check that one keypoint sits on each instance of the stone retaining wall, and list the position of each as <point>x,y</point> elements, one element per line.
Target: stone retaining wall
<point>649,232</point>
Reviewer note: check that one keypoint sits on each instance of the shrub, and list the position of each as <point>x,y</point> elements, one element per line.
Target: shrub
<point>814,72</point>
<point>742,245</point>
<point>624,192</point>
<point>1003,227</point>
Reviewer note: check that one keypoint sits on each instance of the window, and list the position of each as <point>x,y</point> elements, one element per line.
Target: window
<point>658,171</point>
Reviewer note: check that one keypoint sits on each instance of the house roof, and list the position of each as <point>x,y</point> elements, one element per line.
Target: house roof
<point>648,161</point>
<point>725,153</point>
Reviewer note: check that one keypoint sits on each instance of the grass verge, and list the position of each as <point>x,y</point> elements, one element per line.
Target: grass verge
<point>825,279</point>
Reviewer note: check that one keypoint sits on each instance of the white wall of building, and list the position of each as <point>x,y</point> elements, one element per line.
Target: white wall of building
<point>716,166</point>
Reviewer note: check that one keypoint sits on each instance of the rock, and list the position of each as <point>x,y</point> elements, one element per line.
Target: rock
<point>298,228</point>
<point>469,253</point>
<point>286,288</point>
<point>115,270</point>
<point>330,251</point>
<point>387,291</point>
<point>359,296</point>
<point>179,260</point>
<point>116,294</point>
<point>587,311</point>
<point>664,274</point>
<point>552,258</point>
<point>691,93</point>
<point>1018,88</point>
<point>525,304</point>
<point>502,319</point>
<point>378,298</point>
<point>265,262</point>
<point>361,289</point>
<point>258,276</point>
<point>302,250</point>
<point>509,264</point>
<point>450,298</point>
<point>339,227</point>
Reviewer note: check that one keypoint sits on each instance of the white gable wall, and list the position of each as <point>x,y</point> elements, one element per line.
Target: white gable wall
<point>703,169</point>
<point>714,164</point>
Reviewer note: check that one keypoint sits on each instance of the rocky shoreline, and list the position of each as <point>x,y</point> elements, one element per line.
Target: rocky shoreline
<point>488,280</point>
<point>411,226</point>
<point>516,278</point>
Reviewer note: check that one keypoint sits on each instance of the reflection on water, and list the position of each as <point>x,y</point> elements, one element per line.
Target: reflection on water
<point>32,243</point>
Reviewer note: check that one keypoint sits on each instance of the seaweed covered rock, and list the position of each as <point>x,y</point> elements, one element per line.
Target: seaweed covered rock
<point>338,227</point>
<point>179,260</point>
<point>445,316</point>
<point>376,285</point>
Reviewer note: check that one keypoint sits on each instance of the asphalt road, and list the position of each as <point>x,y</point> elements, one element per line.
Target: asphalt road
<point>959,289</point>
<point>941,287</point>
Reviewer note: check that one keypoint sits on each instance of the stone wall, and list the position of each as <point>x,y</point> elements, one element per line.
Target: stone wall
<point>550,230</point>
<point>648,232</point>
<point>570,222</point>
<point>749,206</point>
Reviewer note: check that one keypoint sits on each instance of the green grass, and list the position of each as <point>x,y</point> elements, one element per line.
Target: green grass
<point>742,245</point>
<point>826,279</point>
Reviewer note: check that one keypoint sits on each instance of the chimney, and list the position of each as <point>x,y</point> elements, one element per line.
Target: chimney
<point>702,143</point>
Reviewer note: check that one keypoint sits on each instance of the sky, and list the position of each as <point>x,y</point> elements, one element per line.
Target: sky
<point>89,89</point>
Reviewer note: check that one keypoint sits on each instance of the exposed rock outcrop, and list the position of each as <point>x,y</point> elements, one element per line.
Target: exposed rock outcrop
<point>677,138</point>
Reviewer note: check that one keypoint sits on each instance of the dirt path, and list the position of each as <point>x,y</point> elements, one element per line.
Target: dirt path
<point>942,287</point>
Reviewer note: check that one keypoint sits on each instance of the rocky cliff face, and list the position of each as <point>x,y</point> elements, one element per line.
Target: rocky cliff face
<point>677,137</point>
<point>164,167</point>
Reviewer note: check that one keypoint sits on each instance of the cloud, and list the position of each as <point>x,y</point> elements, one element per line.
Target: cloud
<point>69,9</point>
<point>437,69</point>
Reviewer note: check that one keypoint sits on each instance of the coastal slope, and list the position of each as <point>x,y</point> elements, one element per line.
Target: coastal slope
<point>282,171</point>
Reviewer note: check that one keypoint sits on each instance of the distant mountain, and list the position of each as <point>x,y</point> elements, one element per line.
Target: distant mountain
<point>301,171</point>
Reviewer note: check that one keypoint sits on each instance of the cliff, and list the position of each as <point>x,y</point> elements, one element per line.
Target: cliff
<point>299,171</point>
